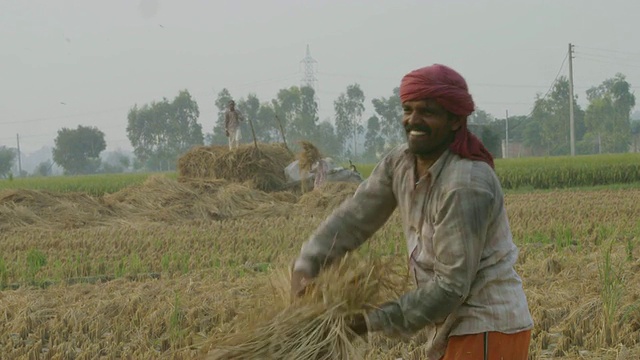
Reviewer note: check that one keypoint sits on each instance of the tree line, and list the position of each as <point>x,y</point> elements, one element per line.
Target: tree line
<point>161,131</point>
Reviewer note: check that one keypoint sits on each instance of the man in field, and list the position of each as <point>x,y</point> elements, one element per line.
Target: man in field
<point>468,301</point>
<point>232,120</point>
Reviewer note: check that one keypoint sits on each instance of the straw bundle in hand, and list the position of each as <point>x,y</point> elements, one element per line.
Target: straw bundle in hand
<point>315,327</point>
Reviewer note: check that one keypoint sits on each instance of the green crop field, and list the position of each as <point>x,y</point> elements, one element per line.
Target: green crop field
<point>514,174</point>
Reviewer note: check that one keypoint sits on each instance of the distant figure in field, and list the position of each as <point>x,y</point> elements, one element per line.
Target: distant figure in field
<point>232,120</point>
<point>320,170</point>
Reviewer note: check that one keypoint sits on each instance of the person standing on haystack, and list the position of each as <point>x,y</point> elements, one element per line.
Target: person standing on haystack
<point>469,302</point>
<point>232,120</point>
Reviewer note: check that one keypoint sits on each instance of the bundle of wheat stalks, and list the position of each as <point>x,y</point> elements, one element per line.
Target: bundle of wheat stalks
<point>308,156</point>
<point>315,327</point>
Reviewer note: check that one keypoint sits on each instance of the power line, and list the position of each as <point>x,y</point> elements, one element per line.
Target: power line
<point>609,50</point>
<point>601,61</point>
<point>555,80</point>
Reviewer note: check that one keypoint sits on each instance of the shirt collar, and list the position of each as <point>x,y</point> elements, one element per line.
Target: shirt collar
<point>437,166</point>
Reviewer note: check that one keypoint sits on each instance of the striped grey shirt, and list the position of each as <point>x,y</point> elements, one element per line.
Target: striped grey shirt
<point>459,243</point>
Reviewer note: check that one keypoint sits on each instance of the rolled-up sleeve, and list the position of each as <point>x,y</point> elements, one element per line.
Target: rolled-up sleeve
<point>353,222</point>
<point>460,230</point>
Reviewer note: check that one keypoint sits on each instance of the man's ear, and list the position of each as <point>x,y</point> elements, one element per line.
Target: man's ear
<point>456,122</point>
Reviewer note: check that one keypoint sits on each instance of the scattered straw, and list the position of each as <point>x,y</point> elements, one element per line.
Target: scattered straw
<point>41,208</point>
<point>329,196</point>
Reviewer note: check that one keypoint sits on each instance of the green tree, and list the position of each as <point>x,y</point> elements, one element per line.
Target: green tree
<point>306,121</point>
<point>327,140</point>
<point>249,108</point>
<point>552,114</point>
<point>389,112</point>
<point>297,109</point>
<point>491,139</point>
<point>161,131</point>
<point>44,168</point>
<point>77,151</point>
<point>480,117</point>
<point>349,108</point>
<point>373,140</point>
<point>267,127</point>
<point>532,137</point>
<point>7,159</point>
<point>635,135</point>
<point>608,116</point>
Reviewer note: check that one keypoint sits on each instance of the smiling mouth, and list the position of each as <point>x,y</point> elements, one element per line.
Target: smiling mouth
<point>417,133</point>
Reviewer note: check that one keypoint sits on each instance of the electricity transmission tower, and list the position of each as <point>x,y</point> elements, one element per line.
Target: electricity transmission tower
<point>309,73</point>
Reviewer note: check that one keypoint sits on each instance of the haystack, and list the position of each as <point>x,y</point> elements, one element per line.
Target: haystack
<point>262,167</point>
<point>197,162</point>
<point>314,327</point>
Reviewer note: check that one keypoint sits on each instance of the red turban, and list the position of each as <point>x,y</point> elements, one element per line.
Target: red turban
<point>450,90</point>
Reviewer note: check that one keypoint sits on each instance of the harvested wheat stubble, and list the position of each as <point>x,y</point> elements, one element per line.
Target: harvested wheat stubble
<point>263,167</point>
<point>315,326</point>
<point>41,208</point>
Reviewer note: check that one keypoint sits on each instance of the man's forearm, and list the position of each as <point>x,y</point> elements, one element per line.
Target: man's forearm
<point>427,305</point>
<point>337,235</point>
<point>352,223</point>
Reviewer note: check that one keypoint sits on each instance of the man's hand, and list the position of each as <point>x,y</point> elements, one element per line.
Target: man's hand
<point>358,324</point>
<point>227,132</point>
<point>299,283</point>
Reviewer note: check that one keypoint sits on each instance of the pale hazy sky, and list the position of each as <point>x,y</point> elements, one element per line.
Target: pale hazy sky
<point>99,58</point>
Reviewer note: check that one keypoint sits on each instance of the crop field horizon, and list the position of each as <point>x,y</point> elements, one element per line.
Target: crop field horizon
<point>517,174</point>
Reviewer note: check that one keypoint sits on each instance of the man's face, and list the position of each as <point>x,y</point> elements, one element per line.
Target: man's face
<point>429,127</point>
<point>232,106</point>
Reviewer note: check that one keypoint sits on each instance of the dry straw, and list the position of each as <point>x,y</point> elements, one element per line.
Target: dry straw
<point>262,167</point>
<point>315,326</point>
<point>329,196</point>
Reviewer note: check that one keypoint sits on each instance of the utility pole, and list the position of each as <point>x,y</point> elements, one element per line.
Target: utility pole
<point>571,123</point>
<point>506,137</point>
<point>19,156</point>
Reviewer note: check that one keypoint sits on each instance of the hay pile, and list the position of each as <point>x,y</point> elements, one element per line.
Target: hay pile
<point>314,327</point>
<point>197,163</point>
<point>263,167</point>
<point>162,199</point>
<point>41,208</point>
<point>328,196</point>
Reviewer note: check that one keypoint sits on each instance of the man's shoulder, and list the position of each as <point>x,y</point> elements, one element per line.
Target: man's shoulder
<point>465,173</point>
<point>397,152</point>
